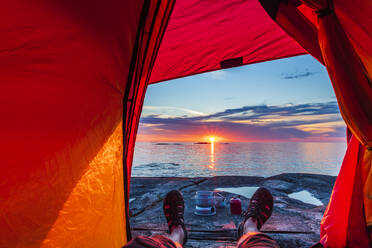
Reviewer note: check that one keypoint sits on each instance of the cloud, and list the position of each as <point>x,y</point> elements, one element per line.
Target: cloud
<point>217,75</point>
<point>298,75</point>
<point>260,111</point>
<point>310,121</point>
<point>171,111</point>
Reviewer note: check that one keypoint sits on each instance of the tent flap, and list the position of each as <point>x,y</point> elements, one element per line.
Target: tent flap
<point>201,34</point>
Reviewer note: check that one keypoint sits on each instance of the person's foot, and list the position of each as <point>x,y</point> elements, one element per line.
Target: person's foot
<point>173,207</point>
<point>259,209</point>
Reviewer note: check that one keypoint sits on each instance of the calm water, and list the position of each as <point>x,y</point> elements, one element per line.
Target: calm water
<point>244,159</point>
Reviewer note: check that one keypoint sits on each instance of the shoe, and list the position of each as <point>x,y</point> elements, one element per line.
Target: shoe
<point>260,208</point>
<point>174,208</point>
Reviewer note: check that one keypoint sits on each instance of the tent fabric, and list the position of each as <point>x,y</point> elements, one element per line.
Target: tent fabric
<point>349,73</point>
<point>150,38</point>
<point>297,25</point>
<point>73,77</point>
<point>333,226</point>
<point>154,20</point>
<point>64,68</point>
<point>357,233</point>
<point>203,34</point>
<point>95,208</point>
<point>345,68</point>
<point>367,185</point>
<point>346,200</point>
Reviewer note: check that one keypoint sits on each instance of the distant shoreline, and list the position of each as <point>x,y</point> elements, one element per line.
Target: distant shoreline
<point>195,143</point>
<point>237,142</point>
<point>228,176</point>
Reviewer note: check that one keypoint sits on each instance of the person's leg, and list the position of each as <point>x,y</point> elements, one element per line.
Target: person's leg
<point>173,207</point>
<point>250,225</point>
<point>258,212</point>
<point>177,235</point>
<point>252,237</point>
<point>157,241</point>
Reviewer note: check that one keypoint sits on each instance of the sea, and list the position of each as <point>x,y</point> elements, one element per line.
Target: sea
<point>235,159</point>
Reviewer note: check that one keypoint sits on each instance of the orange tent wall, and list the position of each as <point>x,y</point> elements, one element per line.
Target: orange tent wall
<point>63,72</point>
<point>67,69</point>
<point>95,207</point>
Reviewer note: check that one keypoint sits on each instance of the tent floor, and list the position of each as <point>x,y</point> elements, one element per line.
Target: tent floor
<point>293,223</point>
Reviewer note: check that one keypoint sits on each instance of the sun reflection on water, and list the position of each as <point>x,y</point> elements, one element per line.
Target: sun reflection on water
<point>212,161</point>
<point>248,159</point>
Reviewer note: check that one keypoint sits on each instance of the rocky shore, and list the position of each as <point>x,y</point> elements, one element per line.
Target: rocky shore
<point>299,204</point>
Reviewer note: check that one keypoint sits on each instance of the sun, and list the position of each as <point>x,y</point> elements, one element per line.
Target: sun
<point>212,139</point>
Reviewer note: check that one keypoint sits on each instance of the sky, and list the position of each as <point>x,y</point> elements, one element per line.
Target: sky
<point>286,100</point>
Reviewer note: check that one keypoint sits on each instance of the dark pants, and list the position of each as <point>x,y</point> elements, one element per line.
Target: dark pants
<point>257,240</point>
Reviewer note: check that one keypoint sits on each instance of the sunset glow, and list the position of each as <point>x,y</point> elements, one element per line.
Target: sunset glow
<point>288,100</point>
<point>312,122</point>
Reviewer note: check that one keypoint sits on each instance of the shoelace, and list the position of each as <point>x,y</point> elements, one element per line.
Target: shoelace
<point>254,211</point>
<point>176,216</point>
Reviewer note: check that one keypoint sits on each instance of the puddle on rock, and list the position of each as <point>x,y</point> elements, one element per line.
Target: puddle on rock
<point>307,197</point>
<point>243,191</point>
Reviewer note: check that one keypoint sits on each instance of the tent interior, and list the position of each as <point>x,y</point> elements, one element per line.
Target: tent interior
<point>74,74</point>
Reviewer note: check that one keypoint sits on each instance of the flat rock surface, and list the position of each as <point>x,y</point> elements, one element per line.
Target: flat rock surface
<point>293,223</point>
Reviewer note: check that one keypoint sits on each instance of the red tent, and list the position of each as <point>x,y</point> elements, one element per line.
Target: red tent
<point>73,77</point>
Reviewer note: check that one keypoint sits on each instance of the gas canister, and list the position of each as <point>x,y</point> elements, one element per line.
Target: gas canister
<point>235,205</point>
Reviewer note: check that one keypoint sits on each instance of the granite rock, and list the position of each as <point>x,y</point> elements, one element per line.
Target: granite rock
<point>294,223</point>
